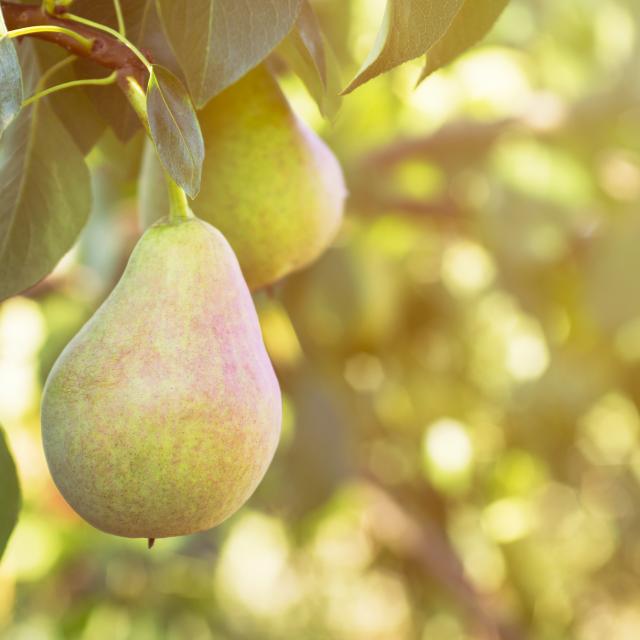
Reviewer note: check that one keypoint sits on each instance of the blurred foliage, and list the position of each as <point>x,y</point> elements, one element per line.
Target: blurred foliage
<point>461,455</point>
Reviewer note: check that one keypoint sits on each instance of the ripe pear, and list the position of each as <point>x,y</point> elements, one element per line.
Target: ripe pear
<point>269,183</point>
<point>162,415</point>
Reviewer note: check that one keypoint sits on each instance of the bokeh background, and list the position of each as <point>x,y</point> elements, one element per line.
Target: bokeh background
<point>461,371</point>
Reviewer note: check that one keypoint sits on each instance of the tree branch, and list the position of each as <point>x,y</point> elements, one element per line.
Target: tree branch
<point>468,138</point>
<point>466,141</point>
<point>106,51</point>
<point>424,543</point>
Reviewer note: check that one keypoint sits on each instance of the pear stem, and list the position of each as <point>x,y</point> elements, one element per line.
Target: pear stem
<point>178,204</point>
<point>138,99</point>
<point>122,29</point>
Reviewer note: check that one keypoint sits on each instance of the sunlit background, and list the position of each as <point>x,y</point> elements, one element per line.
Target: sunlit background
<point>461,371</point>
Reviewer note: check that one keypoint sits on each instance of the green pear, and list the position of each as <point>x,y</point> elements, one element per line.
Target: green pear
<point>269,183</point>
<point>162,415</point>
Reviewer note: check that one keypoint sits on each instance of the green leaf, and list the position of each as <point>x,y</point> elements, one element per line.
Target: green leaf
<point>144,30</point>
<point>307,54</point>
<point>470,25</point>
<point>109,101</point>
<point>409,29</point>
<point>175,129</point>
<point>74,108</point>
<point>45,195</point>
<point>142,23</point>
<point>10,80</point>
<point>218,41</point>
<point>9,494</point>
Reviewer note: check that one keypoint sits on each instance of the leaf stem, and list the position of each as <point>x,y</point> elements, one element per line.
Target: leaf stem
<point>110,79</point>
<point>53,69</point>
<point>87,43</point>
<point>138,100</point>
<point>122,29</point>
<point>111,32</point>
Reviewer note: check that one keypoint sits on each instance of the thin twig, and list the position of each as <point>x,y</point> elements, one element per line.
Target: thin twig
<point>107,50</point>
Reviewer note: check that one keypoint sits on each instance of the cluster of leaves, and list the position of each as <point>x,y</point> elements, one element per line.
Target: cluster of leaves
<point>209,44</point>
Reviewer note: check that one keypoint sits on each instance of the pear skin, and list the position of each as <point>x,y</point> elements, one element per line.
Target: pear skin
<point>162,415</point>
<point>269,183</point>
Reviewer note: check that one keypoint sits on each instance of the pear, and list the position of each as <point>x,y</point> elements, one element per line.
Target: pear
<point>162,415</point>
<point>269,183</point>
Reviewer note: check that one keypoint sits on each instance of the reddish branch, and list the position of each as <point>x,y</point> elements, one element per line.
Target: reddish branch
<point>470,140</point>
<point>106,51</point>
<point>462,144</point>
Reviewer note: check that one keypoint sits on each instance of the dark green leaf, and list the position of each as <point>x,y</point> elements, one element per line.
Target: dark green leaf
<point>10,80</point>
<point>109,101</point>
<point>74,108</point>
<point>175,129</point>
<point>310,57</point>
<point>144,30</point>
<point>470,25</point>
<point>9,494</point>
<point>45,195</point>
<point>218,41</point>
<point>409,29</point>
<point>142,23</point>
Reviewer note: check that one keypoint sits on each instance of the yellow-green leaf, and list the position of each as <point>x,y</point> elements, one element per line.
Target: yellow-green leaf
<point>308,55</point>
<point>409,29</point>
<point>470,25</point>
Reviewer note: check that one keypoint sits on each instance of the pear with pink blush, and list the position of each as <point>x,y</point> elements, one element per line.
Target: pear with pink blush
<point>162,415</point>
